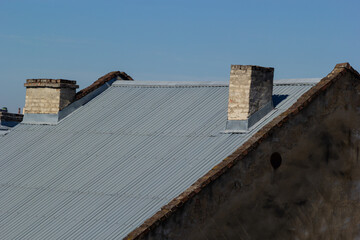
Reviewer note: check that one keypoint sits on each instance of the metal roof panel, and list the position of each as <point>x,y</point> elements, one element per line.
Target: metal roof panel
<point>114,162</point>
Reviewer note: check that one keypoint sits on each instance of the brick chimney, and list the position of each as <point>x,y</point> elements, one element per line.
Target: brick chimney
<point>48,96</point>
<point>250,96</point>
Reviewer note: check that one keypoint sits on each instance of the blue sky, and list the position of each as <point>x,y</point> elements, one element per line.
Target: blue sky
<point>171,40</point>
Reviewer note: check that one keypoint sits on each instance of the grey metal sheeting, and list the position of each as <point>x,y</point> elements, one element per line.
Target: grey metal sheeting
<point>113,163</point>
<point>4,130</point>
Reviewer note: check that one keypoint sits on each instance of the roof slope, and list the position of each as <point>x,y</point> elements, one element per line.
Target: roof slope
<point>3,130</point>
<point>113,163</point>
<point>252,142</point>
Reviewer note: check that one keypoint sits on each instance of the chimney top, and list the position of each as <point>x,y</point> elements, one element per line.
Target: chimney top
<point>252,67</point>
<point>51,83</point>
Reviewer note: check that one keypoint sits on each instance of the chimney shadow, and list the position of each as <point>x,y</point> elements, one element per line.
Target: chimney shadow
<point>277,99</point>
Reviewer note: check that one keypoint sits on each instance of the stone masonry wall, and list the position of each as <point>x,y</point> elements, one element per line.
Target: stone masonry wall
<point>250,89</point>
<point>42,100</point>
<point>261,88</point>
<point>239,91</point>
<point>313,194</point>
<point>67,96</point>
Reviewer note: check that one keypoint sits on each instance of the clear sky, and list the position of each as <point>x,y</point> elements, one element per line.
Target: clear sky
<point>171,40</point>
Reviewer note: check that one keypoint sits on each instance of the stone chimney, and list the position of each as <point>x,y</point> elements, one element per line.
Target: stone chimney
<point>48,96</point>
<point>250,96</point>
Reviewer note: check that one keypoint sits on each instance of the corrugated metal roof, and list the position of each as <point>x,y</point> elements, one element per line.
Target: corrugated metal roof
<point>3,130</point>
<point>113,163</point>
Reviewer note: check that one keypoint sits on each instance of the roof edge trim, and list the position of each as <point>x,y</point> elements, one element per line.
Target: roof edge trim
<point>218,170</point>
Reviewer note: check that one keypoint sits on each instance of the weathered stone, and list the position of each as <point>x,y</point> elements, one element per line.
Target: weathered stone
<point>250,89</point>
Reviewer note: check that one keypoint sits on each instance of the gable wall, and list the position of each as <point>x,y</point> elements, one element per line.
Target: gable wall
<point>313,194</point>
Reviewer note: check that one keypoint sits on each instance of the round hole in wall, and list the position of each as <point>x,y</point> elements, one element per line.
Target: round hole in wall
<point>275,160</point>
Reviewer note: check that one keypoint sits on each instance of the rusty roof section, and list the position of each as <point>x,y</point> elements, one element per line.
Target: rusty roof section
<point>101,81</point>
<point>218,170</point>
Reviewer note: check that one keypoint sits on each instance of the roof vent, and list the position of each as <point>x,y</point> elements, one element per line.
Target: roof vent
<point>250,96</point>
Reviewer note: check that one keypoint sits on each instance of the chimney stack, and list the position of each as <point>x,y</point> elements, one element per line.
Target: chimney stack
<point>250,96</point>
<point>48,96</point>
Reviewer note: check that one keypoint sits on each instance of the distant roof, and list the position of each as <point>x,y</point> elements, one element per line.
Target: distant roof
<point>114,162</point>
<point>8,120</point>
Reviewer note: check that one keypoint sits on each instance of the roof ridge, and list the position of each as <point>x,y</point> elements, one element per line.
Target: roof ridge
<point>227,163</point>
<point>190,84</point>
<point>170,84</point>
<point>295,84</point>
<point>101,81</point>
